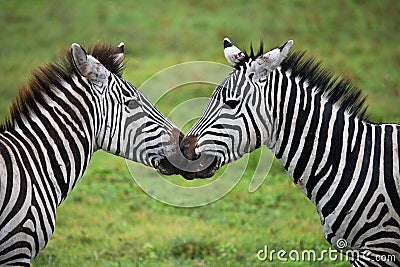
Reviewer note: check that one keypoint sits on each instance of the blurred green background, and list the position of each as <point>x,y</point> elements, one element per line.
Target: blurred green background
<point>108,220</point>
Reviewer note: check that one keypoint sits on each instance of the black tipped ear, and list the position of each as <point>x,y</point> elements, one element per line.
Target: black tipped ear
<point>286,45</point>
<point>227,43</point>
<point>232,54</point>
<point>120,48</point>
<point>120,53</point>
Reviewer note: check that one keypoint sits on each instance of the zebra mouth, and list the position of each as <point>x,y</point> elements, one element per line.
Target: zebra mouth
<point>167,168</point>
<point>203,171</point>
<point>195,165</point>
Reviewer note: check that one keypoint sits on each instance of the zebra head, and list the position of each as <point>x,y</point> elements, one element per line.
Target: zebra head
<point>237,118</point>
<point>127,123</point>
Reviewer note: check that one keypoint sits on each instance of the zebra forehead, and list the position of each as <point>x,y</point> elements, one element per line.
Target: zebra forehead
<point>248,58</point>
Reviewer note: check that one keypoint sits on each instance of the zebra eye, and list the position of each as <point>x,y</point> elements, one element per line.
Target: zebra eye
<point>131,104</point>
<point>232,103</point>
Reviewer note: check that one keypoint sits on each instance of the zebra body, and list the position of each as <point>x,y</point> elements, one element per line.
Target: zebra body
<point>316,126</point>
<point>68,111</point>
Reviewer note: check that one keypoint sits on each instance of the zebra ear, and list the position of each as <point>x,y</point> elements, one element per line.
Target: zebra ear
<point>79,56</point>
<point>232,54</point>
<point>272,59</point>
<point>87,65</point>
<point>119,53</point>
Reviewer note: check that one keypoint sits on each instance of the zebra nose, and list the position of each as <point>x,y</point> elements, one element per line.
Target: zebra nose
<point>188,146</point>
<point>195,165</point>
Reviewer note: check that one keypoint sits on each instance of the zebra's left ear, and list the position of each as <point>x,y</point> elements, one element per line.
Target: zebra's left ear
<point>271,60</point>
<point>88,66</point>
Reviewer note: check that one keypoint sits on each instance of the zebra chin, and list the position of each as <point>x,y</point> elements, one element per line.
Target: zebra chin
<point>166,167</point>
<point>201,166</point>
<point>202,172</point>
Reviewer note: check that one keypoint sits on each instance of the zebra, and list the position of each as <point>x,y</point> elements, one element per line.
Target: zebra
<point>317,126</point>
<point>68,110</point>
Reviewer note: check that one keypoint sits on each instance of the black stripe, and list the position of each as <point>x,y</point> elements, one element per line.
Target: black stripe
<point>359,176</point>
<point>373,184</point>
<point>360,183</point>
<point>300,122</point>
<point>22,187</point>
<point>247,132</point>
<point>10,173</point>
<point>268,90</point>
<point>283,90</point>
<point>309,141</point>
<point>348,171</point>
<point>389,179</point>
<point>380,199</point>
<point>30,160</point>
<point>333,160</point>
<point>321,145</point>
<point>255,127</point>
<point>287,117</point>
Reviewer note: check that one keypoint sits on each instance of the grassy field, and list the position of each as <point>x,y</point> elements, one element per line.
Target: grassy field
<point>108,220</point>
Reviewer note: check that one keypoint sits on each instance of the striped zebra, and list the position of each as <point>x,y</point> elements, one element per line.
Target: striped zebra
<point>316,125</point>
<point>67,111</point>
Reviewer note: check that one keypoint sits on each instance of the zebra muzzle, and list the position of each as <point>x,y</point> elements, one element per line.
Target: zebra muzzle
<point>193,165</point>
<point>167,165</point>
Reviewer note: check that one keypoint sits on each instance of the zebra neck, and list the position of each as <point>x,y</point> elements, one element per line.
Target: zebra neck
<point>55,141</point>
<point>317,142</point>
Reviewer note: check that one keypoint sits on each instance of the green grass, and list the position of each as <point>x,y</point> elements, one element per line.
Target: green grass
<point>108,220</point>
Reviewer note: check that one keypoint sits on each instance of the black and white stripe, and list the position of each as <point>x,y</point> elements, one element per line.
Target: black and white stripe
<point>67,112</point>
<point>317,128</point>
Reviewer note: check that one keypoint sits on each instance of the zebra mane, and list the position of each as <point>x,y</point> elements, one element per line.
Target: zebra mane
<point>338,90</point>
<point>50,74</point>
